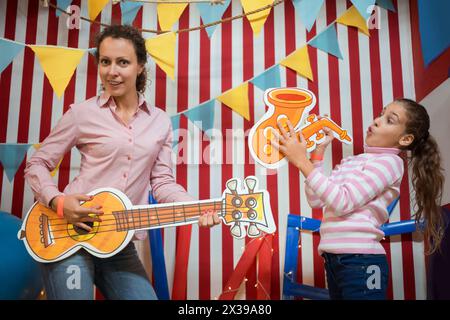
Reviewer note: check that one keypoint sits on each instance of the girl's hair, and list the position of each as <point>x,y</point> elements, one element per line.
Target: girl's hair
<point>427,179</point>
<point>132,34</point>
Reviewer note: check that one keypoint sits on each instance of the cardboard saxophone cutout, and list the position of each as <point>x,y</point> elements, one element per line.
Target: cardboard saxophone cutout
<point>293,104</point>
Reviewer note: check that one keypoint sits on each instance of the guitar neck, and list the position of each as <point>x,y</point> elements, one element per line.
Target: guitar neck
<point>163,215</point>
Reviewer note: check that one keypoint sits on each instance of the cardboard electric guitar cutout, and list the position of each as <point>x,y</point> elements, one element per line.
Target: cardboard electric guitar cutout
<point>293,104</point>
<point>49,238</point>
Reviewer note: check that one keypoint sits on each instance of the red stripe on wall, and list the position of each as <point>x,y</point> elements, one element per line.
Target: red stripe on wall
<point>204,267</point>
<point>249,169</point>
<point>272,181</point>
<point>319,272</point>
<point>179,290</point>
<point>227,151</point>
<point>25,104</point>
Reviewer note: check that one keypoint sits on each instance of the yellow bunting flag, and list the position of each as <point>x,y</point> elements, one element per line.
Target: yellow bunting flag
<point>168,14</point>
<point>237,99</point>
<point>162,50</point>
<point>256,20</point>
<point>95,7</point>
<point>299,61</point>
<point>59,64</point>
<point>37,146</point>
<point>353,18</point>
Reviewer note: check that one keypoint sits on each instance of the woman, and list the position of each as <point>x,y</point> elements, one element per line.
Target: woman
<point>125,144</point>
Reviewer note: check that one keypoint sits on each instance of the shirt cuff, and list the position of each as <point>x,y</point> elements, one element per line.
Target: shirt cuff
<point>48,194</point>
<point>312,176</point>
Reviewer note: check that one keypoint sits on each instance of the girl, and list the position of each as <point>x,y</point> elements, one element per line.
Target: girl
<point>356,195</point>
<point>124,143</point>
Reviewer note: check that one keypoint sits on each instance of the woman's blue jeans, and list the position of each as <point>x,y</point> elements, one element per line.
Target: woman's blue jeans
<point>121,276</point>
<point>356,276</point>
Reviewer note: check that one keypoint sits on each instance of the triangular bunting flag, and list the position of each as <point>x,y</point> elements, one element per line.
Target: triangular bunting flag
<point>53,173</point>
<point>211,13</point>
<point>162,50</point>
<point>299,61</point>
<point>308,11</point>
<point>175,126</point>
<point>9,49</point>
<point>237,99</point>
<point>92,51</point>
<point>256,20</point>
<point>129,11</point>
<point>327,41</point>
<point>58,64</point>
<point>364,7</point>
<point>387,4</point>
<point>62,4</point>
<point>353,18</point>
<point>168,14</point>
<point>202,116</point>
<point>95,7</point>
<point>11,157</point>
<point>268,79</point>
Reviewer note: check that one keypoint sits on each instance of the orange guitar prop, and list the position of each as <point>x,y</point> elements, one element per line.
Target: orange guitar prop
<point>49,238</point>
<point>293,104</point>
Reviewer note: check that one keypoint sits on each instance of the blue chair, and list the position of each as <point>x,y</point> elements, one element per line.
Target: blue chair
<point>158,262</point>
<point>296,223</point>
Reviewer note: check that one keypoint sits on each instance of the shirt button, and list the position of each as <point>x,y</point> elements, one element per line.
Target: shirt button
<point>130,127</point>
<point>129,157</point>
<point>124,175</point>
<point>129,140</point>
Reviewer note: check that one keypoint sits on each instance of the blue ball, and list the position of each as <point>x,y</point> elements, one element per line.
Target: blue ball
<point>20,275</point>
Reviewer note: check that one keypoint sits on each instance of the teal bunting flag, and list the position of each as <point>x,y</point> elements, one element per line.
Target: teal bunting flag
<point>9,49</point>
<point>129,11</point>
<point>175,126</point>
<point>363,7</point>
<point>11,157</point>
<point>387,4</point>
<point>202,116</point>
<point>268,79</point>
<point>307,10</point>
<point>327,41</point>
<point>211,13</point>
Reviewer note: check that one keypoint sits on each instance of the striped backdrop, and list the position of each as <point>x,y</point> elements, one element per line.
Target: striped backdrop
<point>352,91</point>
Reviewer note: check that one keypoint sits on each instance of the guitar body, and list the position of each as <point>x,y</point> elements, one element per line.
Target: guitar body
<point>49,238</point>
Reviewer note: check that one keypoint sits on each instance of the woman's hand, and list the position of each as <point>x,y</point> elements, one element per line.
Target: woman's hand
<point>76,214</point>
<point>208,218</point>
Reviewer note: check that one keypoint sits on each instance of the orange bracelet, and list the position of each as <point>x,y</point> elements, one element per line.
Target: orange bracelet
<point>315,156</point>
<point>60,207</point>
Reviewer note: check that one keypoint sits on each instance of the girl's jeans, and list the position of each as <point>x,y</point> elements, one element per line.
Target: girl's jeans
<point>356,276</point>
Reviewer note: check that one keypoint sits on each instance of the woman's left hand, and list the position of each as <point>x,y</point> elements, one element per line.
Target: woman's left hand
<point>208,218</point>
<point>289,144</point>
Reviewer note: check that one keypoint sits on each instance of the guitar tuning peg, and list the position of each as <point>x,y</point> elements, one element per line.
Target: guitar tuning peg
<point>253,230</point>
<point>236,230</point>
<point>232,186</point>
<point>251,183</point>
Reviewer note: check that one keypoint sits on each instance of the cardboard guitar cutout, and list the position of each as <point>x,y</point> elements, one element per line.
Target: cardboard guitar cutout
<point>49,238</point>
<point>293,104</point>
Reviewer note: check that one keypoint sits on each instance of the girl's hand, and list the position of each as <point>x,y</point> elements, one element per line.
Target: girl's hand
<point>76,214</point>
<point>208,218</point>
<point>289,144</point>
<point>320,148</point>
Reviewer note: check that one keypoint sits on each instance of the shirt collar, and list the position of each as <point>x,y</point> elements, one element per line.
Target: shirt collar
<point>368,149</point>
<point>105,99</point>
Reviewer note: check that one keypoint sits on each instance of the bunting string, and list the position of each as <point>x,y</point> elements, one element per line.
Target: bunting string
<point>203,26</point>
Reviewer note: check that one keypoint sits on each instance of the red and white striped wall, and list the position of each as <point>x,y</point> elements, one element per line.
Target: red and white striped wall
<point>374,71</point>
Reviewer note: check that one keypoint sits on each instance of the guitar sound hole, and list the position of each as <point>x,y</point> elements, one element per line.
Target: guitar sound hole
<point>82,231</point>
